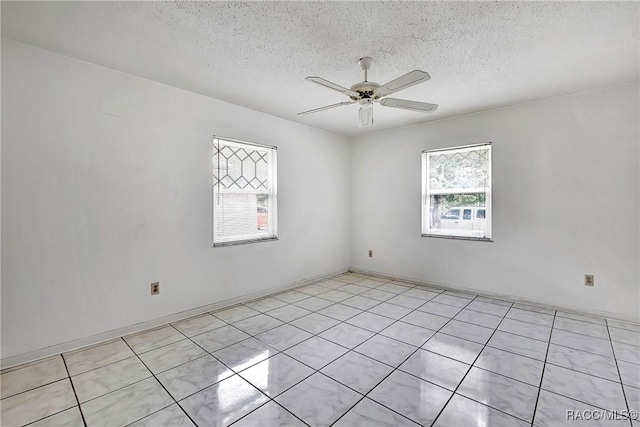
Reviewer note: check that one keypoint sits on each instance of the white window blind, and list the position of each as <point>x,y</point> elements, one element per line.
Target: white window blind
<point>456,192</point>
<point>244,192</point>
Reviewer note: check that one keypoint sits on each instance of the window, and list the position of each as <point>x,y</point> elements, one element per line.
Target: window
<point>454,181</point>
<point>244,192</point>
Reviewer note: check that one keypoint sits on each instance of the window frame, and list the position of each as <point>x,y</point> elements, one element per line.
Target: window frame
<point>272,209</point>
<point>426,194</point>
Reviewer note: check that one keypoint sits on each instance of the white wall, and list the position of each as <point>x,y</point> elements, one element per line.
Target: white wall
<point>565,203</point>
<point>106,187</point>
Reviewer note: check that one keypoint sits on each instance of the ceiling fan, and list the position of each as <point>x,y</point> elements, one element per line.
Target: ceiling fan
<point>366,93</point>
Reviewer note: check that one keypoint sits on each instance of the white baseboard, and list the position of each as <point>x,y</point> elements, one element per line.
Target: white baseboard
<point>92,340</point>
<point>569,309</point>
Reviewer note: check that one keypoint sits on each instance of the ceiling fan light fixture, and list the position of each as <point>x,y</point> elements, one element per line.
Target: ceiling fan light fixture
<point>365,114</point>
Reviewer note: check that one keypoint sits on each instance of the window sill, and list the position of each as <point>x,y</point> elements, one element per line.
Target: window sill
<point>477,239</point>
<point>244,242</point>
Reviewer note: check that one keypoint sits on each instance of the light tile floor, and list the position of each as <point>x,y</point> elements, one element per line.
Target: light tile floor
<point>351,351</point>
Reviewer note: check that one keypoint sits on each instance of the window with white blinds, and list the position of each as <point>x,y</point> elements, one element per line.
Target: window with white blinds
<point>456,192</point>
<point>244,192</point>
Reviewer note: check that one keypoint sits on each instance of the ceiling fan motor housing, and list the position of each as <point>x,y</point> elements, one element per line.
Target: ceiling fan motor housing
<point>365,90</point>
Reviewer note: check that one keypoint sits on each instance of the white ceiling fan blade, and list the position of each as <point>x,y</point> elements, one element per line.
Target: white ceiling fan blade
<point>423,107</point>
<point>315,110</point>
<point>412,78</point>
<point>330,85</point>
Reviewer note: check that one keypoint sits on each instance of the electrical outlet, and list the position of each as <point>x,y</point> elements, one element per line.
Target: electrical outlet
<point>589,280</point>
<point>370,253</point>
<point>155,288</point>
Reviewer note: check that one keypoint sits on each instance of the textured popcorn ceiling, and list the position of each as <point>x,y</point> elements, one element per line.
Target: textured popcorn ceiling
<point>480,55</point>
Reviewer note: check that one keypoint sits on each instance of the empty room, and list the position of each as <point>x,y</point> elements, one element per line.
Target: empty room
<point>263,214</point>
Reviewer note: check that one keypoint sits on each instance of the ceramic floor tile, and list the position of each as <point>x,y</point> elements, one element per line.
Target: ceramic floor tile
<point>336,295</point>
<point>288,313</point>
<point>315,323</point>
<point>518,344</point>
<point>291,296</point>
<point>373,282</point>
<point>219,338</point>
<point>530,317</point>
<point>368,413</point>
<point>574,316</point>
<point>360,302</point>
<point>552,411</point>
<point>511,365</point>
<point>534,308</point>
<point>495,301</point>
<point>580,327</point>
<point>461,411</point>
<point>325,400</point>
<point>184,380</point>
<point>478,318</point>
<point>453,347</point>
<point>84,360</point>
<point>386,350</point>
<point>100,381</point>
<point>276,374</point>
<point>378,294</point>
<point>407,333</point>
<point>581,361</point>
<point>410,396</point>
<point>356,371</point>
<point>354,289</point>
<point>585,388</point>
<point>451,300</point>
<point>223,403</point>
<point>266,304</point>
<point>435,368</point>
<point>630,373</point>
<point>421,293</point>
<point>502,393</point>
<point>331,284</point>
<point>395,288</point>
<point>525,329</point>
<point>406,301</point>
<point>340,311</point>
<point>425,320</point>
<point>257,324</point>
<point>283,336</point>
<point>461,294</point>
<point>390,310</point>
<point>246,353</point>
<point>38,403</point>
<point>624,336</point>
<point>235,314</point>
<point>347,278</point>
<point>440,309</point>
<point>370,321</point>
<point>626,352</point>
<point>623,325</point>
<point>467,331</point>
<point>314,303</point>
<point>32,376</point>
<point>346,335</point>
<point>126,405</point>
<point>67,418</point>
<point>155,338</point>
<point>316,352</point>
<point>198,325</point>
<point>171,355</point>
<point>312,290</point>
<point>170,416</point>
<point>581,342</point>
<point>633,399</point>
<point>489,308</point>
<point>270,415</point>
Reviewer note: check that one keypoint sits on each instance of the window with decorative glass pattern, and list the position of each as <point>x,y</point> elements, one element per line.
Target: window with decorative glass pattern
<point>244,192</point>
<point>456,192</point>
